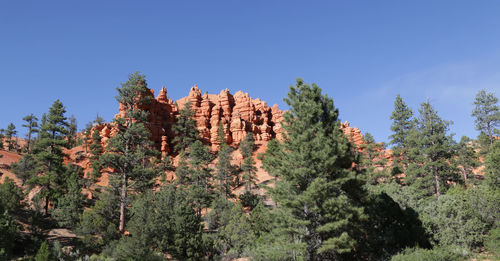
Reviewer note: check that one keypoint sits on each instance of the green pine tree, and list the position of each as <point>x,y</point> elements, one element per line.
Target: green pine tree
<point>70,206</point>
<point>318,190</point>
<point>96,150</point>
<point>71,133</point>
<point>225,171</point>
<point>372,160</point>
<point>199,187</point>
<point>492,164</point>
<point>49,155</point>
<point>2,138</point>
<point>185,129</point>
<point>10,135</point>
<point>486,114</point>
<point>431,153</point>
<point>25,168</point>
<point>129,153</point>
<point>247,147</point>
<point>32,126</point>
<point>401,127</point>
<point>467,159</point>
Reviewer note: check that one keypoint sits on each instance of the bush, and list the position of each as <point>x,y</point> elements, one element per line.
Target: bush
<point>492,242</point>
<point>249,200</point>
<point>436,254</point>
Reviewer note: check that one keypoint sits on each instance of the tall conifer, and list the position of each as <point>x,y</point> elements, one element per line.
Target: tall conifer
<point>318,188</point>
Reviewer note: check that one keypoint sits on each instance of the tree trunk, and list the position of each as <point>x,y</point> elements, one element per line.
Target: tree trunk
<point>46,207</point>
<point>436,183</point>
<point>123,202</point>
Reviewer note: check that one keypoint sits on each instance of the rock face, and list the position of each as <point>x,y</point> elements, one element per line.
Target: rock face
<point>236,114</point>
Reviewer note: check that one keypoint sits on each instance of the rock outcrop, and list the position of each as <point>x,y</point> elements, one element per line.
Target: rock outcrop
<point>236,114</point>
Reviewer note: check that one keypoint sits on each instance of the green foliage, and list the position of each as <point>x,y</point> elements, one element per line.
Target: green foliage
<point>44,253</point>
<point>372,160</point>
<point>234,234</point>
<point>454,219</point>
<point>196,177</point>
<point>130,151</point>
<point>318,189</point>
<point>32,126</point>
<point>492,242</point>
<point>10,135</point>
<point>248,199</point>
<point>98,225</point>
<point>185,129</point>
<point>163,222</point>
<point>467,160</point>
<point>436,254</point>
<point>492,166</point>
<point>95,160</point>
<point>25,168</point>
<point>486,114</point>
<point>431,153</point>
<point>248,167</point>
<point>10,197</point>
<point>72,128</point>
<point>49,156</point>
<point>401,126</point>
<point>225,171</point>
<point>70,206</point>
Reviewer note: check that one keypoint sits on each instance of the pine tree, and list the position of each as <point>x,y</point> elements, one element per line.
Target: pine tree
<point>49,156</point>
<point>247,147</point>
<point>95,160</point>
<point>492,167</point>
<point>318,189</point>
<point>200,176</point>
<point>225,171</point>
<point>87,132</point>
<point>431,151</point>
<point>487,114</point>
<point>467,159</point>
<point>401,126</point>
<point>70,206</point>
<point>2,138</point>
<point>130,151</point>
<point>10,135</point>
<point>372,159</point>
<point>25,168</point>
<point>32,126</point>
<point>72,128</point>
<point>185,129</point>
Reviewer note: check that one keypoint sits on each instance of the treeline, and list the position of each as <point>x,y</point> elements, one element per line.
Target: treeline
<point>330,200</point>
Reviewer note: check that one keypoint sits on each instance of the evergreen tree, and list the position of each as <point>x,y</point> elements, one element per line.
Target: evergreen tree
<point>224,169</point>
<point>25,168</point>
<point>95,160</point>
<point>10,135</point>
<point>467,159</point>
<point>87,132</point>
<point>32,126</point>
<point>130,151</point>
<point>2,138</point>
<point>401,127</point>
<point>487,114</point>
<point>492,166</point>
<point>49,156</point>
<point>247,147</point>
<point>185,129</point>
<point>372,159</point>
<point>318,189</point>
<point>71,133</point>
<point>98,120</point>
<point>44,253</point>
<point>70,206</point>
<point>431,153</point>
<point>200,176</point>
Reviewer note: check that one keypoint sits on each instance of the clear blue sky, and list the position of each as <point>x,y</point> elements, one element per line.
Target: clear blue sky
<point>361,53</point>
